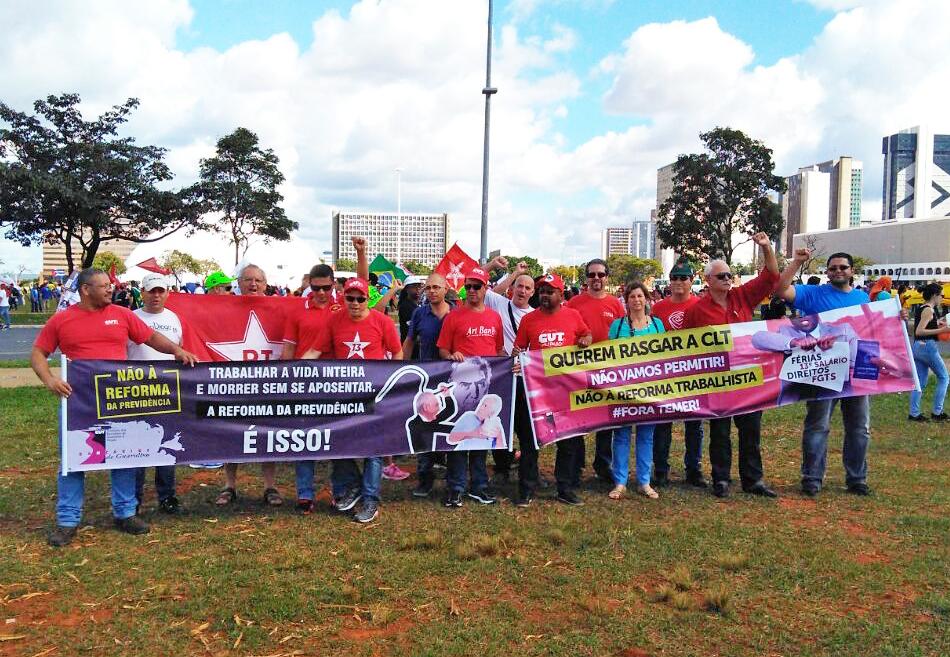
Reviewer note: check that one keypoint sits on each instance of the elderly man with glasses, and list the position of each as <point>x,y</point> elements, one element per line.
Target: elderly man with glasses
<point>725,304</point>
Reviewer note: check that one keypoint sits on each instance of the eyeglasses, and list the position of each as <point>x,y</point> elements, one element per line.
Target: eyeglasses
<point>839,267</point>
<point>322,288</point>
<point>679,277</point>
<point>432,288</point>
<point>596,274</point>
<point>350,299</point>
<point>723,276</point>
<point>473,287</point>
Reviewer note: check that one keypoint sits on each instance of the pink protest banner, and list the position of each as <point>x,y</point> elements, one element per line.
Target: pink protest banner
<point>718,371</point>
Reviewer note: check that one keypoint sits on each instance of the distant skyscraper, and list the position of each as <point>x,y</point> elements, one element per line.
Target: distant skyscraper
<point>615,241</point>
<point>423,237</point>
<point>916,175</point>
<point>643,238</point>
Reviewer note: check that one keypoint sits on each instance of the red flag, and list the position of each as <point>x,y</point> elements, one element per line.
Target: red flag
<point>228,327</point>
<point>112,277</point>
<point>454,266</point>
<point>152,265</point>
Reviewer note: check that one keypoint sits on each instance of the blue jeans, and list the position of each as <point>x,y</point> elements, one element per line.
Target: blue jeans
<point>345,475</point>
<point>475,461</point>
<point>5,315</point>
<point>71,489</point>
<point>620,460</point>
<point>304,471</point>
<point>926,358</point>
<point>164,482</point>
<point>692,457</point>
<point>855,415</point>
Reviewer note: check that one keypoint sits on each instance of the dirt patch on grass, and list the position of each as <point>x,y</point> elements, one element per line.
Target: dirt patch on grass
<point>869,558</point>
<point>366,631</point>
<point>16,471</point>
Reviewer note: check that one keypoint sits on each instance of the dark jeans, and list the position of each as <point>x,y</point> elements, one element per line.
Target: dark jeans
<point>603,454</point>
<point>164,482</point>
<point>749,426</point>
<point>566,462</point>
<point>528,464</point>
<point>692,458</point>
<point>503,459</point>
<point>475,462</point>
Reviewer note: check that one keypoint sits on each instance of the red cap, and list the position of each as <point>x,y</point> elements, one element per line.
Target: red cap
<point>478,274</point>
<point>551,279</point>
<point>356,284</point>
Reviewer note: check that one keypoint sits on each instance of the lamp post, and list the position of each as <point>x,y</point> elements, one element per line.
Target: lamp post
<point>398,215</point>
<point>488,92</point>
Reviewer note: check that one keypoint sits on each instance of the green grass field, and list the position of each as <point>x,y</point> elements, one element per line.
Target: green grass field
<point>685,575</point>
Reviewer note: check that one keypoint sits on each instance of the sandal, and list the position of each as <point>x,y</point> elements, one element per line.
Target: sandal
<point>647,491</point>
<point>272,497</point>
<point>225,497</point>
<point>617,492</point>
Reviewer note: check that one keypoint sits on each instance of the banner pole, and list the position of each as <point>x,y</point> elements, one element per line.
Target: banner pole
<point>523,357</point>
<point>511,418</point>
<point>62,417</point>
<point>907,344</point>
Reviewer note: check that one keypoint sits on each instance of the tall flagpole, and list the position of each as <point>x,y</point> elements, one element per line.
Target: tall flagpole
<point>398,215</point>
<point>488,92</point>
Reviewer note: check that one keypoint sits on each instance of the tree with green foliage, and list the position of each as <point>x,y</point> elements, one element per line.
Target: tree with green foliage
<point>65,180</point>
<point>179,263</point>
<point>570,274</point>
<point>860,262</point>
<point>534,267</point>
<point>717,194</point>
<point>417,268</point>
<point>240,183</point>
<point>345,264</point>
<point>105,259</point>
<point>626,268</point>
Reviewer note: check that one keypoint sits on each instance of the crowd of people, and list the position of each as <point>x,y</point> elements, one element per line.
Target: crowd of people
<point>348,319</point>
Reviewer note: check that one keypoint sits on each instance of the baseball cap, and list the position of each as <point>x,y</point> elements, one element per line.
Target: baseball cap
<point>216,278</point>
<point>414,280</point>
<point>478,274</point>
<point>357,284</point>
<point>551,279</point>
<point>682,268</point>
<point>152,281</point>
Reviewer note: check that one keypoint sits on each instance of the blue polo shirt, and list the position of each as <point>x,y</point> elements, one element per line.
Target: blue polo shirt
<point>813,299</point>
<point>424,328</point>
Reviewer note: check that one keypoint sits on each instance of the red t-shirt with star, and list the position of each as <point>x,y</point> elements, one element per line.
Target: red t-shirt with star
<point>370,338</point>
<point>598,314</point>
<point>306,325</point>
<point>539,330</point>
<point>672,313</point>
<point>101,334</point>
<point>472,333</point>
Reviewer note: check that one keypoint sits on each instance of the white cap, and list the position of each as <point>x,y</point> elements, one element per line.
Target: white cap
<point>414,280</point>
<point>152,281</point>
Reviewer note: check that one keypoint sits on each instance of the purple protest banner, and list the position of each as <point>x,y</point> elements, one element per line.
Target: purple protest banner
<point>124,414</point>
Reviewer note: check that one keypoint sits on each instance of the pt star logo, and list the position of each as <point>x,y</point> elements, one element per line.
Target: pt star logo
<point>356,347</point>
<point>255,345</point>
<point>455,274</point>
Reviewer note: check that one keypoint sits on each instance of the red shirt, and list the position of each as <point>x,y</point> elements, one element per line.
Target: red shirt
<point>740,303</point>
<point>100,334</point>
<point>306,326</point>
<point>539,329</point>
<point>472,333</point>
<point>370,338</point>
<point>671,313</point>
<point>598,314</point>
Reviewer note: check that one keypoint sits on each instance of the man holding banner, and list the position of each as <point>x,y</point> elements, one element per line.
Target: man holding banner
<point>725,304</point>
<point>94,329</point>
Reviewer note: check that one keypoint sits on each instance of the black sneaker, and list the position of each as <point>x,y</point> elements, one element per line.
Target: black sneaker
<point>132,525</point>
<point>918,418</point>
<point>61,536</point>
<point>453,499</point>
<point>809,490</point>
<point>481,496</point>
<point>761,490</point>
<point>422,490</point>
<point>524,501</point>
<point>570,498</point>
<point>170,505</point>
<point>368,513</point>
<point>940,417</point>
<point>695,478</point>
<point>661,481</point>
<point>721,489</point>
<point>348,501</point>
<point>305,506</point>
<point>859,489</point>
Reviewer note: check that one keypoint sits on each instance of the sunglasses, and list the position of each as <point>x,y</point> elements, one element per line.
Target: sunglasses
<point>596,274</point>
<point>321,288</point>
<point>679,277</point>
<point>723,276</point>
<point>473,287</point>
<point>350,299</point>
<point>839,268</point>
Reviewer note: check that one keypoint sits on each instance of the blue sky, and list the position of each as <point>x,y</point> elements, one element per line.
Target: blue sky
<point>595,95</point>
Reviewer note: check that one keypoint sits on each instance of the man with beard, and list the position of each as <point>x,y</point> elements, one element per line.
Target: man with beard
<point>551,325</point>
<point>672,312</point>
<point>599,309</point>
<point>470,331</point>
<point>855,411</point>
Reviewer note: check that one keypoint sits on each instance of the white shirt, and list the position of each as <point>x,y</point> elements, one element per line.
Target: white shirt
<point>166,323</point>
<point>4,299</point>
<point>500,304</point>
